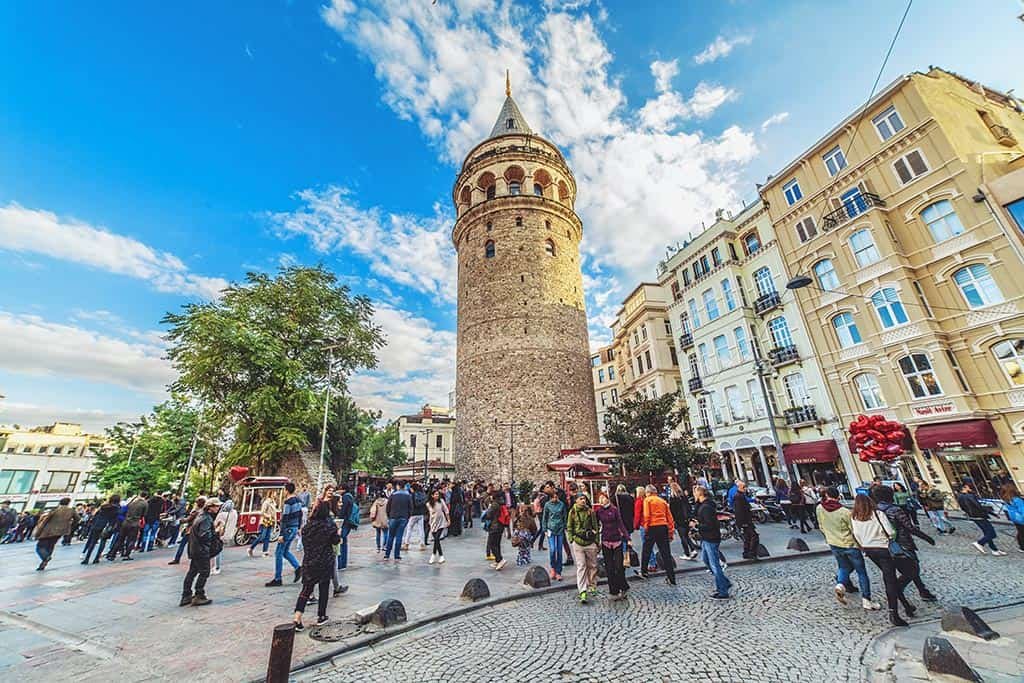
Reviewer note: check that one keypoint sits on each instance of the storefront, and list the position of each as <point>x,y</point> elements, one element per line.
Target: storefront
<point>816,461</point>
<point>964,449</point>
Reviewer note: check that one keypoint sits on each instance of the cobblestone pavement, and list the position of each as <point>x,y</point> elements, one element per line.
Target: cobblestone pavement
<point>782,625</point>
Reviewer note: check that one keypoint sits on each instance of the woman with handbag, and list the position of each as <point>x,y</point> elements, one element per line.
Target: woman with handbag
<point>320,535</point>
<point>439,520</point>
<point>874,534</point>
<point>225,525</point>
<point>907,564</point>
<point>581,529</point>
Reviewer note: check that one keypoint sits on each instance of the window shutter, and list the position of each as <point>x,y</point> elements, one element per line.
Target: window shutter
<point>917,164</point>
<point>902,171</point>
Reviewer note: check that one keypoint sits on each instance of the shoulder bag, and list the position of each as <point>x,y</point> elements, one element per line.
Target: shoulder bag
<point>895,549</point>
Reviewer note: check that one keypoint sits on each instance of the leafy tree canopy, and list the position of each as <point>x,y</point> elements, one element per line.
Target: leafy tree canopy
<point>651,434</point>
<point>380,452</point>
<point>348,426</point>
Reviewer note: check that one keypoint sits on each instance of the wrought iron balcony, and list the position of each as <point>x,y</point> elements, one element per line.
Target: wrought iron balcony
<point>685,340</point>
<point>851,208</point>
<point>767,302</point>
<point>695,384</point>
<point>704,432</point>
<point>801,415</point>
<point>783,355</point>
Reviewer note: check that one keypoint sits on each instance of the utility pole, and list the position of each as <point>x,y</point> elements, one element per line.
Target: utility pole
<point>426,453</point>
<point>191,457</point>
<point>512,447</point>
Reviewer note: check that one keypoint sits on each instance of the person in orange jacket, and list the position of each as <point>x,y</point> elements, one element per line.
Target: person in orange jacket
<point>659,527</point>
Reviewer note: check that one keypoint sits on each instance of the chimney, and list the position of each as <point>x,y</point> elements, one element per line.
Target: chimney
<point>427,411</point>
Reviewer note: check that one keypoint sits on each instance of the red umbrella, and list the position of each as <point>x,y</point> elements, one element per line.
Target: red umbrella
<point>574,462</point>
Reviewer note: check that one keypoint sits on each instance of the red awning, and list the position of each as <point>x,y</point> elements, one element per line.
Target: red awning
<point>962,434</point>
<point>578,462</point>
<point>810,452</point>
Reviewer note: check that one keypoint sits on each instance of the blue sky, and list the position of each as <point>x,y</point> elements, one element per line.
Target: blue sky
<point>150,154</point>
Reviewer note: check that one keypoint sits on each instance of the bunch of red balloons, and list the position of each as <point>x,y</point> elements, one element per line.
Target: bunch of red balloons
<point>238,473</point>
<point>877,439</point>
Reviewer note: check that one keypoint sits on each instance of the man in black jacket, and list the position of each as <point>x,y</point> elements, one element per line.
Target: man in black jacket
<point>908,565</point>
<point>154,508</point>
<point>200,549</point>
<point>710,531</point>
<point>745,521</point>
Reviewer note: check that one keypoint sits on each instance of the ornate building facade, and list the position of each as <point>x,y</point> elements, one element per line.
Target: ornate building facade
<point>523,374</point>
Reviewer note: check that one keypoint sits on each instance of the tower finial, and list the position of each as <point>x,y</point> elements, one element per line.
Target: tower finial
<point>508,85</point>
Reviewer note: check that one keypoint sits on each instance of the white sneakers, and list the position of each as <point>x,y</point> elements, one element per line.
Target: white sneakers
<point>869,604</point>
<point>440,559</point>
<point>433,558</point>
<point>840,593</point>
<point>998,553</point>
<point>215,571</point>
<point>499,565</point>
<point>980,547</point>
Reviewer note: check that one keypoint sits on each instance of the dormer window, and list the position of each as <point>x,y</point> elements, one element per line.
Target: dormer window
<point>510,124</point>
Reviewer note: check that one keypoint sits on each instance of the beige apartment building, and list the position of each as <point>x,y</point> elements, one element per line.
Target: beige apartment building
<point>606,384</point>
<point>754,388</point>
<point>41,465</point>
<point>902,220</point>
<point>646,360</point>
<point>428,436</point>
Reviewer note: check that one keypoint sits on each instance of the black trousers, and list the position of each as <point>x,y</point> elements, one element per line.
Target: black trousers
<point>910,572</point>
<point>494,543</point>
<point>658,536</point>
<point>750,541</point>
<point>129,533</point>
<point>894,585</point>
<point>800,515</point>
<point>613,567</point>
<point>95,538</point>
<point>198,571</point>
<point>323,587</point>
<point>437,542</point>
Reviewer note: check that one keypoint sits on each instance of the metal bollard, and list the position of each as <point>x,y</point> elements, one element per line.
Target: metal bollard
<point>280,664</point>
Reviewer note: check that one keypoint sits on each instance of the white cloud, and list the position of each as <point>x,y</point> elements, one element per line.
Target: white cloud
<point>44,234</point>
<point>34,346</point>
<point>664,112</point>
<point>774,119</point>
<point>33,415</point>
<point>720,47</point>
<point>664,72</point>
<point>413,251</point>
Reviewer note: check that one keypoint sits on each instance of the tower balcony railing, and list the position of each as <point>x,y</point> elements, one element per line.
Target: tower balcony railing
<point>704,433</point>
<point>767,302</point>
<point>851,208</point>
<point>800,415</point>
<point>784,355</point>
<point>695,384</point>
<point>685,340</point>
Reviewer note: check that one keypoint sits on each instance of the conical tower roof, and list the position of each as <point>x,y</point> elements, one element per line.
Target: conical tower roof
<point>510,120</point>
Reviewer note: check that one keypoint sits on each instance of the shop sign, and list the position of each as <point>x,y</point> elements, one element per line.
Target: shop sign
<point>934,409</point>
<point>958,457</point>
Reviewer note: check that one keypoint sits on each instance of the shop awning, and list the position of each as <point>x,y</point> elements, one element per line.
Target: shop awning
<point>810,452</point>
<point>962,434</point>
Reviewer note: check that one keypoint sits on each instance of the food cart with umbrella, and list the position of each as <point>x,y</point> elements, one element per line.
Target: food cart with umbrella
<point>583,471</point>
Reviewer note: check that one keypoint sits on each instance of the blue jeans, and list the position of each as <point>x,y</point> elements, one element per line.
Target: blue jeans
<point>282,553</point>
<point>654,551</point>
<point>182,547</point>
<point>852,560</point>
<point>555,552</point>
<point>709,556</point>
<point>396,529</point>
<point>939,520</point>
<point>988,533</point>
<point>382,537</point>
<point>262,537</point>
<point>343,553</point>
<point>149,535</point>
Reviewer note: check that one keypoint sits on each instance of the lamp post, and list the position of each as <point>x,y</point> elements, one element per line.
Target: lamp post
<point>512,446</point>
<point>327,403</point>
<point>759,368</point>
<point>191,457</point>
<point>426,452</point>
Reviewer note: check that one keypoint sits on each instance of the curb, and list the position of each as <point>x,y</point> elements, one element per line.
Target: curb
<point>377,638</point>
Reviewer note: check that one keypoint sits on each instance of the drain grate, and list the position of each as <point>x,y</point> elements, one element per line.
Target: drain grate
<point>333,631</point>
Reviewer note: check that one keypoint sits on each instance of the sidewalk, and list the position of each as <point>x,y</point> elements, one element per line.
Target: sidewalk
<point>121,620</point>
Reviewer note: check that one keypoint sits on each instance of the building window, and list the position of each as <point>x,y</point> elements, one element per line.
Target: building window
<point>694,370</point>
<point>864,249</point>
<point>853,202</point>
<point>756,398</point>
<point>643,332</point>
<point>751,243</point>
<point>710,304</point>
<point>17,481</point>
<point>595,361</point>
<point>685,272</point>
<point>636,337</point>
<point>763,281</point>
<point>489,249</point>
<point>951,357</point>
<point>1016,211</point>
<point>490,226</point>
<point>825,272</point>
<point>694,315</point>
<point>57,450</point>
<point>716,407</point>
<point>440,441</point>
<point>888,123</point>
<point>870,393</point>
<point>549,247</point>
<point>920,295</point>
<point>684,321</point>
<point>917,371</point>
<point>412,441</point>
<point>43,450</point>
<point>702,411</point>
<point>639,366</point>
<point>742,344</point>
<point>942,220</point>
<point>490,191</point>
<point>615,396</point>
<point>668,327</point>
<point>72,450</point>
<point>647,357</point>
<point>779,330</point>
<point>705,267</point>
<point>732,251</point>
<point>61,482</point>
<point>742,291</point>
<point>519,221</point>
<point>722,351</point>
<point>604,398</point>
<point>538,190</point>
<point>910,166</point>
<point>730,300</point>
<point>846,330</point>
<point>514,187</point>
<point>672,354</point>
<point>705,360</point>
<point>977,286</point>
<point>889,307</point>
<point>611,372</point>
<point>796,390</point>
<point>600,376</point>
<point>716,256</point>
<point>792,192</point>
<point>806,229</point>
<point>1010,356</point>
<point>834,161</point>
<point>734,400</point>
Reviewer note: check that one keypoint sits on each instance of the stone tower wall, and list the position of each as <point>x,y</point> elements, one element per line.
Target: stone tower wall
<point>523,350</point>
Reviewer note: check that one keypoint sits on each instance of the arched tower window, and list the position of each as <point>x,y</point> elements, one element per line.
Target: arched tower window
<point>549,247</point>
<point>514,176</point>
<point>563,191</point>
<point>541,180</point>
<point>489,249</point>
<point>538,190</point>
<point>515,188</point>
<point>486,182</point>
<point>466,196</point>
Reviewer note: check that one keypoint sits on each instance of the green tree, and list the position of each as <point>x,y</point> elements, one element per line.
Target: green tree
<point>380,452</point>
<point>257,358</point>
<point>348,426</point>
<point>644,430</point>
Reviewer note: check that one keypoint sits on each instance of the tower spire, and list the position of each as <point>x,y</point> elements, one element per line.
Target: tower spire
<point>508,85</point>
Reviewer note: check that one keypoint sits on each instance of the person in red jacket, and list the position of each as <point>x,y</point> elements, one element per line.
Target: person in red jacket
<point>658,525</point>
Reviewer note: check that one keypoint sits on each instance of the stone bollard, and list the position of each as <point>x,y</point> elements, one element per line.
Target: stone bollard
<point>536,577</point>
<point>475,589</point>
<point>967,620</point>
<point>280,663</point>
<point>389,613</point>
<point>762,551</point>
<point>942,658</point>
<point>797,544</point>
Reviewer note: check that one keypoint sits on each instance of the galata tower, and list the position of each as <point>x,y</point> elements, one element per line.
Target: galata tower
<point>523,381</point>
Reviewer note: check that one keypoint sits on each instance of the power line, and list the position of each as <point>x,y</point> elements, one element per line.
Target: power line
<point>922,305</point>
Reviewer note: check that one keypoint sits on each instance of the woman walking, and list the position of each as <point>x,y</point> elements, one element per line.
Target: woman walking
<point>552,524</point>
<point>582,529</point>
<point>522,539</point>
<point>782,498</point>
<point>320,535</point>
<point>638,514</point>
<point>979,514</point>
<point>907,562</point>
<point>1014,511</point>
<point>613,541</point>
<point>934,503</point>
<point>679,505</point>
<point>268,520</point>
<point>225,525</point>
<point>104,522</point>
<point>497,518</point>
<point>798,503</point>
<point>439,520</point>
<point>379,519</point>
<point>873,534</point>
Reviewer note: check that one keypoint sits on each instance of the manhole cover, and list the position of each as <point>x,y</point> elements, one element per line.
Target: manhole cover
<point>333,631</point>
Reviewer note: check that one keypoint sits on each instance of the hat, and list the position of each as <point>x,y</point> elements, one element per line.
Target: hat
<point>213,502</point>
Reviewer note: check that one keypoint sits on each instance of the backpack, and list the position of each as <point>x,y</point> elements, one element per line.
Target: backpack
<point>504,518</point>
<point>354,515</point>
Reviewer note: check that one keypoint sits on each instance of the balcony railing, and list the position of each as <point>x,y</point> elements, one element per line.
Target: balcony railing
<point>767,302</point>
<point>782,355</point>
<point>801,415</point>
<point>851,208</point>
<point>685,340</point>
<point>695,384</point>
<point>704,432</point>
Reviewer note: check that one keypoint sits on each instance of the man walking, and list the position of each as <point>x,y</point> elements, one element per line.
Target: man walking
<point>711,537</point>
<point>656,520</point>
<point>349,505</point>
<point>399,510</point>
<point>419,509</point>
<point>154,508</point>
<point>291,518</point>
<point>834,521</point>
<point>137,508</point>
<point>200,552</point>
<point>745,521</point>
<point>51,526</point>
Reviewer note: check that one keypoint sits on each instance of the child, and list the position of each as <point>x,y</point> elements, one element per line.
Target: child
<point>526,529</point>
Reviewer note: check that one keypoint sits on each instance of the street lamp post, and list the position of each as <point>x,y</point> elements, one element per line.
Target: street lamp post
<point>426,453</point>
<point>191,457</point>
<point>327,402</point>
<point>512,446</point>
<point>761,381</point>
